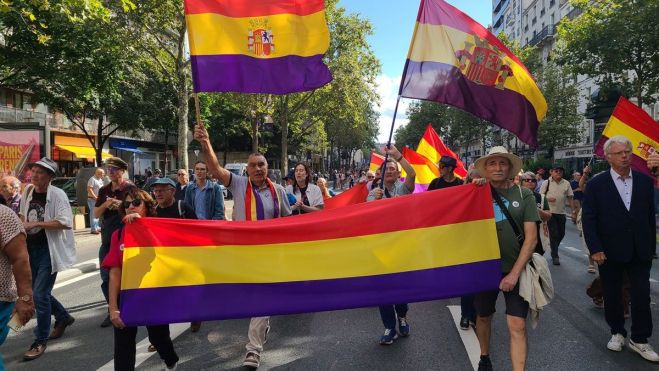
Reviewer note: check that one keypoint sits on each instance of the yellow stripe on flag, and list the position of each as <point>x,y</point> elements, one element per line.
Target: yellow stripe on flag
<point>436,43</point>
<point>359,256</point>
<point>616,127</point>
<point>213,34</point>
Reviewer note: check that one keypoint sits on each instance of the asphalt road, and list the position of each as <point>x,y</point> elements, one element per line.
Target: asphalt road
<point>571,335</point>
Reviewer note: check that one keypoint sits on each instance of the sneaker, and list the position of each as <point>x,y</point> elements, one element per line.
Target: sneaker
<point>616,343</point>
<point>403,327</point>
<point>151,348</point>
<point>591,268</point>
<point>388,337</point>
<point>599,302</point>
<point>485,364</point>
<point>58,329</point>
<point>464,323</point>
<point>36,350</point>
<point>645,350</point>
<point>556,261</point>
<point>106,322</point>
<point>252,360</point>
<point>173,368</point>
<point>195,326</point>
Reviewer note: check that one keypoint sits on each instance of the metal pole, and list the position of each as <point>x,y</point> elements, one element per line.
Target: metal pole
<point>391,134</point>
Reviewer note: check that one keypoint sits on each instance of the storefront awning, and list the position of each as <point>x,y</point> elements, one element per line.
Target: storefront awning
<point>84,152</point>
<point>134,150</point>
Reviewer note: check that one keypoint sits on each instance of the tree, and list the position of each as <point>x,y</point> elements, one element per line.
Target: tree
<point>159,30</point>
<point>77,66</point>
<point>615,42</point>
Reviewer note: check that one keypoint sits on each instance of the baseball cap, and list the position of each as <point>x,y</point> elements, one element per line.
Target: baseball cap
<point>46,163</point>
<point>164,181</point>
<point>448,161</point>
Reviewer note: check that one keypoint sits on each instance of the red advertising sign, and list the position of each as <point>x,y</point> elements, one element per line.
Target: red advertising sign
<point>17,149</point>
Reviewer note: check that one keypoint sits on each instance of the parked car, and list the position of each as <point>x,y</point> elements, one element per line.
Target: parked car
<point>68,185</point>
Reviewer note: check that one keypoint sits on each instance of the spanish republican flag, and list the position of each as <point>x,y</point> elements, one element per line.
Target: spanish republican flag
<point>425,169</point>
<point>264,46</point>
<point>634,123</point>
<point>456,61</point>
<point>431,147</point>
<point>192,270</point>
<point>376,162</point>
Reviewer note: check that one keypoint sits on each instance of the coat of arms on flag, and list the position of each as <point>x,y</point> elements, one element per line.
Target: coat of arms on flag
<point>261,40</point>
<point>484,63</point>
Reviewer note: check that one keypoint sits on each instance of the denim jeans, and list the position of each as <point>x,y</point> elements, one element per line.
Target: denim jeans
<point>6,307</point>
<point>388,314</point>
<point>42,286</point>
<point>93,222</point>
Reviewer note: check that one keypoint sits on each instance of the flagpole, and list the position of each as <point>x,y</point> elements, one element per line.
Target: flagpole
<point>391,134</point>
<point>197,109</point>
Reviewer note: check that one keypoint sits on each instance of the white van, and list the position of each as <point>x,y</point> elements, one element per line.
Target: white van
<point>237,168</point>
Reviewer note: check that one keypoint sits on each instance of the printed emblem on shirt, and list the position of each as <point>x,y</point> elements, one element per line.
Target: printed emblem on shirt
<point>35,213</point>
<point>515,204</point>
<point>498,214</point>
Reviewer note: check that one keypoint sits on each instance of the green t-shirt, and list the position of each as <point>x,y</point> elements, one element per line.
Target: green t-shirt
<point>522,207</point>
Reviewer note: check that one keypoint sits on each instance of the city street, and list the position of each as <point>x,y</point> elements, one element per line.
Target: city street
<point>571,335</point>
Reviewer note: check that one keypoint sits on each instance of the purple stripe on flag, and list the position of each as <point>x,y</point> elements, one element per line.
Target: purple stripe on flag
<point>244,74</point>
<point>225,301</point>
<point>446,84</point>
<point>418,188</point>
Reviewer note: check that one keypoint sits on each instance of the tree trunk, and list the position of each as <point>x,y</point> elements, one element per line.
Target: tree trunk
<point>183,94</point>
<point>99,143</point>
<point>255,133</point>
<point>284,136</point>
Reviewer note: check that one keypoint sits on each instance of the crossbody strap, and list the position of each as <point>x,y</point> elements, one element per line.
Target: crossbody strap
<point>506,213</point>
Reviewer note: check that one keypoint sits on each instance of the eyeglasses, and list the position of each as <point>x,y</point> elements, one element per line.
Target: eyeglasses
<point>529,180</point>
<point>371,177</point>
<point>136,203</point>
<point>112,169</point>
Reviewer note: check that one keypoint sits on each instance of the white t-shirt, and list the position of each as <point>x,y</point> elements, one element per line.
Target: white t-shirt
<point>314,195</point>
<point>96,184</point>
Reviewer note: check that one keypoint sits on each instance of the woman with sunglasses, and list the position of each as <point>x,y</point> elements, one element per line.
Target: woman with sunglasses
<point>528,180</point>
<point>136,204</point>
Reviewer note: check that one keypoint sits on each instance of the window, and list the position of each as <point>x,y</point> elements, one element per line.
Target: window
<point>18,102</point>
<point>551,19</point>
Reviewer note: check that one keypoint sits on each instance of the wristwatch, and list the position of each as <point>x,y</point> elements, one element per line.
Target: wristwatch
<point>26,298</point>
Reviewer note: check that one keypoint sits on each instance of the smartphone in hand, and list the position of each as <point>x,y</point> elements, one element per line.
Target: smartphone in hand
<point>15,323</point>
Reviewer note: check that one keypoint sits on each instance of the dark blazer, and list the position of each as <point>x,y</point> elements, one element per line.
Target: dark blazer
<point>609,227</point>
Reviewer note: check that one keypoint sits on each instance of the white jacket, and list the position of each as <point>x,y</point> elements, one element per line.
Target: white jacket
<point>536,286</point>
<point>61,243</point>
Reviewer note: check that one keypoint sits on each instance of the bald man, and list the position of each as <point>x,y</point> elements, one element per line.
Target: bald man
<point>10,189</point>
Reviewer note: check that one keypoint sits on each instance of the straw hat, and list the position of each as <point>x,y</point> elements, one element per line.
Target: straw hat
<point>499,151</point>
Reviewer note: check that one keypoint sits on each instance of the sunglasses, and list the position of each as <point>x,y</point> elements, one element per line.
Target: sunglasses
<point>136,203</point>
<point>371,177</point>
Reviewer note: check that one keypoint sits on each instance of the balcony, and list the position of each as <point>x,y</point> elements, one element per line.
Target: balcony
<point>499,6</point>
<point>574,13</point>
<point>16,115</point>
<point>546,32</point>
<point>551,3</point>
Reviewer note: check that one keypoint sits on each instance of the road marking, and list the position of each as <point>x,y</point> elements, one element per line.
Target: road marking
<point>142,354</point>
<point>572,248</point>
<point>468,337</point>
<point>74,280</point>
<point>653,280</point>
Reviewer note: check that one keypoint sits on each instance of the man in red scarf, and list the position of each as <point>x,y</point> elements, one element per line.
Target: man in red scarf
<point>255,197</point>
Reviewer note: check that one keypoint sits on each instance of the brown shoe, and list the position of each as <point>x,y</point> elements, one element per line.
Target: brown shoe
<point>60,326</point>
<point>36,350</point>
<point>195,326</point>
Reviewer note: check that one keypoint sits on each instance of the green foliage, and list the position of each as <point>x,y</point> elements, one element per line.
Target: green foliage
<point>535,164</point>
<point>615,42</point>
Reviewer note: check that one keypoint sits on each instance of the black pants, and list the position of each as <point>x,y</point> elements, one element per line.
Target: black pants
<point>638,271</point>
<point>124,346</point>
<point>556,227</point>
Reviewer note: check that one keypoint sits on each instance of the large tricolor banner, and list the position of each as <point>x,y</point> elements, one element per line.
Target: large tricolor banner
<point>456,61</point>
<point>264,46</point>
<point>634,123</point>
<point>412,248</point>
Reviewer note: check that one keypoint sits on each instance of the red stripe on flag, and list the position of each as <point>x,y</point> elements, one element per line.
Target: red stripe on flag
<point>431,136</point>
<point>324,225</point>
<point>353,196</point>
<point>636,118</point>
<point>250,8</point>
